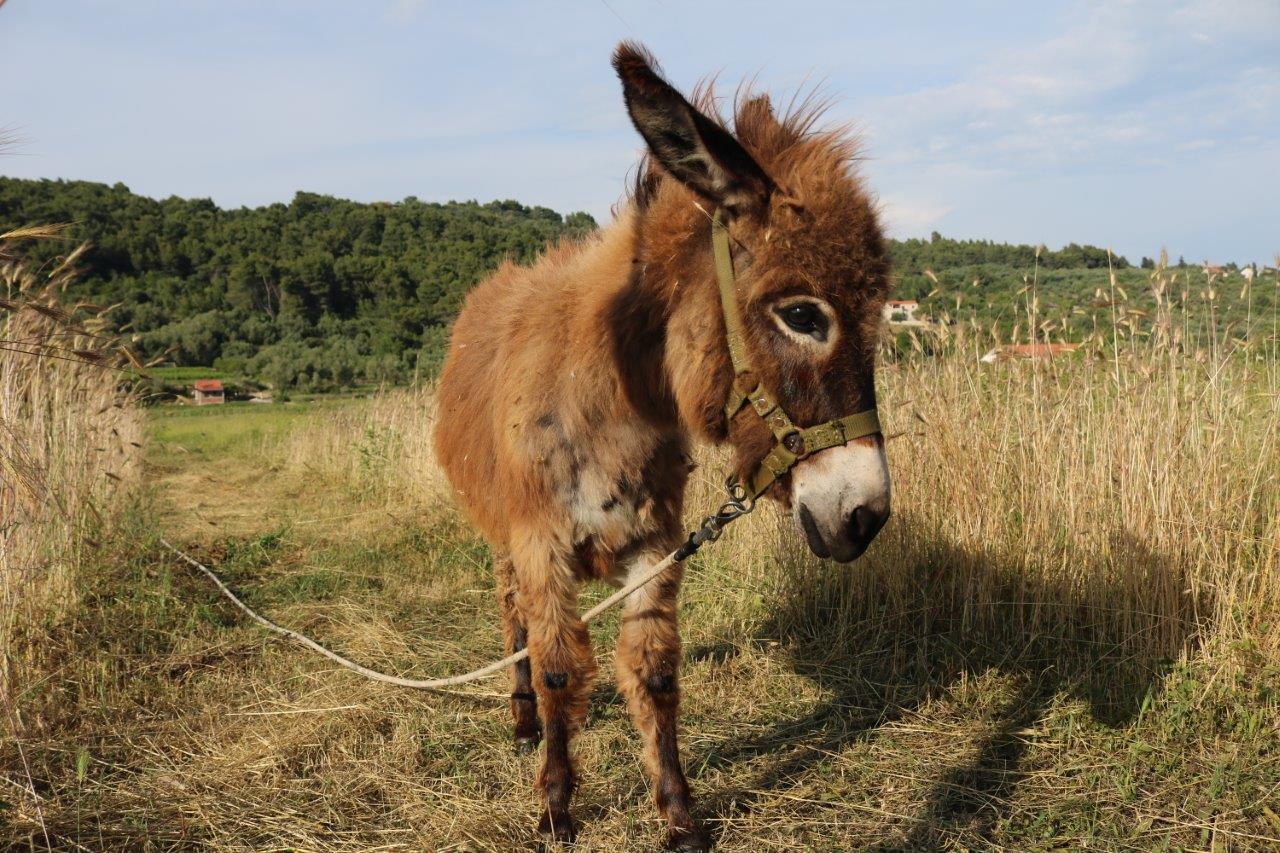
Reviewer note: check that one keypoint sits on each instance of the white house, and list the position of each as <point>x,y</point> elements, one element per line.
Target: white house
<point>901,311</point>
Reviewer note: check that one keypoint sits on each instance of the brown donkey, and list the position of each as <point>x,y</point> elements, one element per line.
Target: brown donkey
<point>573,388</point>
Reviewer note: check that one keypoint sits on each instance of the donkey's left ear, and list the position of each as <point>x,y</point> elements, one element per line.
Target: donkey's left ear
<point>696,150</point>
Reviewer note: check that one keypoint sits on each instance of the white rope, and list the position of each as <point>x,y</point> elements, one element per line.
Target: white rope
<point>417,684</point>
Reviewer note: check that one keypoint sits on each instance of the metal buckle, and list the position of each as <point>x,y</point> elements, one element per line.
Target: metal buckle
<point>738,505</point>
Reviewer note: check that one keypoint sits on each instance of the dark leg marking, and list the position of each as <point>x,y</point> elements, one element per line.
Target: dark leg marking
<point>672,791</point>
<point>562,666</point>
<point>648,662</point>
<point>524,702</point>
<point>660,683</point>
<point>558,782</point>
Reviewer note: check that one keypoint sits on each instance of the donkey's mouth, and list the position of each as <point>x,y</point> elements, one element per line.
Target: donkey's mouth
<point>846,545</point>
<point>811,534</point>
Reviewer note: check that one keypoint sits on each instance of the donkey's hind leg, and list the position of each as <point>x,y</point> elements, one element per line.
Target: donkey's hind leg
<point>562,667</point>
<point>648,664</point>
<point>524,702</point>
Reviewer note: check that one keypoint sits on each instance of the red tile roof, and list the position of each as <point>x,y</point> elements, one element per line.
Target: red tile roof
<point>1038,350</point>
<point>208,385</point>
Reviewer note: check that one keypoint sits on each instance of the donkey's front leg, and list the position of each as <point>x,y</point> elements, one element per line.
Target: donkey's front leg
<point>524,703</point>
<point>648,673</point>
<point>560,652</point>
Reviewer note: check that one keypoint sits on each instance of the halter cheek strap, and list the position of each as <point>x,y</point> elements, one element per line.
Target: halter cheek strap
<point>791,443</point>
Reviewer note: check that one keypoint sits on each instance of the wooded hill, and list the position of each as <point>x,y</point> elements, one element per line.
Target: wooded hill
<point>316,293</point>
<point>323,292</point>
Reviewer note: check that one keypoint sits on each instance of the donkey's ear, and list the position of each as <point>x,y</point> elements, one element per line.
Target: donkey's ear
<point>696,150</point>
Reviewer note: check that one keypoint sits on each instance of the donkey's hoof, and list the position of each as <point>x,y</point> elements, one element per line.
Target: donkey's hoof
<point>527,744</point>
<point>558,828</point>
<point>687,840</point>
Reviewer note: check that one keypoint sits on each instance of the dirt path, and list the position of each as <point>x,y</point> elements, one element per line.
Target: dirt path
<point>217,475</point>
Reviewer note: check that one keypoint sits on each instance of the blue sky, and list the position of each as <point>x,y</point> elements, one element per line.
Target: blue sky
<point>1130,124</point>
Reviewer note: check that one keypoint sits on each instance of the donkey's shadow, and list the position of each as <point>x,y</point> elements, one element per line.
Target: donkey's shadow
<point>1104,642</point>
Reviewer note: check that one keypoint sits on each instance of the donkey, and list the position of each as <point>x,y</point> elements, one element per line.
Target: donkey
<point>573,388</point>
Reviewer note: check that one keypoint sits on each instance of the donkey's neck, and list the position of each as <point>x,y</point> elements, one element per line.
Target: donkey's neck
<point>665,324</point>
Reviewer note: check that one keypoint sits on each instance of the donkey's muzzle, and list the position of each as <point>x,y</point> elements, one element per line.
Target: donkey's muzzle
<point>841,499</point>
<point>850,540</point>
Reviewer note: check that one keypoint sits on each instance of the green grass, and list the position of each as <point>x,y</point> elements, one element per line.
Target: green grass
<point>230,428</point>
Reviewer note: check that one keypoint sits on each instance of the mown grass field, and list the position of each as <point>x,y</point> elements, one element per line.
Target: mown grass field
<point>1066,638</point>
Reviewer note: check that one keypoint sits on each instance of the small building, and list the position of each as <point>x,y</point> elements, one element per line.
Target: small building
<point>1012,351</point>
<point>208,392</point>
<point>901,311</point>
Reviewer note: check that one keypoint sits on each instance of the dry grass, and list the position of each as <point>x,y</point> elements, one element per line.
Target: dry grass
<point>68,437</point>
<point>1066,637</point>
<point>67,433</point>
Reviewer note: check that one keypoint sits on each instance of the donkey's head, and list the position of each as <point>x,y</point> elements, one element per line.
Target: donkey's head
<point>811,278</point>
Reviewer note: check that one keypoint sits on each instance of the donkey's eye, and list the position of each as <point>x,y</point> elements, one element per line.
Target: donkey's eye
<point>805,318</point>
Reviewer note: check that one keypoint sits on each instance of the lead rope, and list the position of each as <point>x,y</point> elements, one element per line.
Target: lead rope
<point>739,504</point>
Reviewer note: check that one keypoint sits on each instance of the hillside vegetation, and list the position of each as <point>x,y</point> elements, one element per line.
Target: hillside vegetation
<point>317,293</point>
<point>323,293</point>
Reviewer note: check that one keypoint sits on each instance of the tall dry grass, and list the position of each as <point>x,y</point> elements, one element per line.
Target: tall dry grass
<point>1120,503</point>
<point>383,450</point>
<point>68,434</point>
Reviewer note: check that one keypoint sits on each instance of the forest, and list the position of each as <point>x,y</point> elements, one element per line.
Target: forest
<point>324,293</point>
<point>314,294</point>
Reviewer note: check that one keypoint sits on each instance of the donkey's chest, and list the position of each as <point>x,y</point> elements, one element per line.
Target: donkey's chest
<point>609,504</point>
<point>616,488</point>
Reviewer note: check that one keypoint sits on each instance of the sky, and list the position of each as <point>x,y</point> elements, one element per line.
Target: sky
<point>1134,125</point>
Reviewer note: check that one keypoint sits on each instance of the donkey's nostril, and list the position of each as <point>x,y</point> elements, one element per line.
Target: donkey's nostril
<point>861,523</point>
<point>864,523</point>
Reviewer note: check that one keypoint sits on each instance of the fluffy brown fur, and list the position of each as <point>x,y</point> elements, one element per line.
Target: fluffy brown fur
<point>573,387</point>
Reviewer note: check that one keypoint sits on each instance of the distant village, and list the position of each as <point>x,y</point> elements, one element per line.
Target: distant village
<point>904,313</point>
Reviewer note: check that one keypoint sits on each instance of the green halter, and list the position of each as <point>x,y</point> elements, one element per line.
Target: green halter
<point>792,443</point>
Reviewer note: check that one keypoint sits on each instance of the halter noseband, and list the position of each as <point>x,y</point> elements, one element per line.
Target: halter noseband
<point>791,443</point>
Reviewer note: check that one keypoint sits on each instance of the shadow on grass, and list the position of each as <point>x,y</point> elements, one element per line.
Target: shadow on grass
<point>884,637</point>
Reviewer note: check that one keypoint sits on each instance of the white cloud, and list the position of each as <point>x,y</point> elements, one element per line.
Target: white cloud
<point>907,215</point>
<point>1223,20</point>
